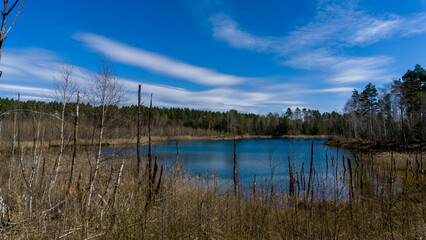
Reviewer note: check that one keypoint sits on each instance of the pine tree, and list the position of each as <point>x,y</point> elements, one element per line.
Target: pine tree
<point>414,85</point>
<point>368,100</point>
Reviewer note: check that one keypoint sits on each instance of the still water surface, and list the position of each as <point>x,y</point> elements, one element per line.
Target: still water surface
<point>265,158</point>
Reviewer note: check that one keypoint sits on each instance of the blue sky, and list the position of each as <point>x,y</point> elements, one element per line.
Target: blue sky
<point>253,56</point>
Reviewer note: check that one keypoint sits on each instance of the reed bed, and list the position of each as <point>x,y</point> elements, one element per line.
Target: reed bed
<point>369,202</point>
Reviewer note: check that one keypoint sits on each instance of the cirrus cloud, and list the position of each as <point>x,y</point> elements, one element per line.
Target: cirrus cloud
<point>157,63</point>
<point>320,44</point>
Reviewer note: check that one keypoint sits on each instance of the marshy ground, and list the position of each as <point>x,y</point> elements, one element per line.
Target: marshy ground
<point>380,199</point>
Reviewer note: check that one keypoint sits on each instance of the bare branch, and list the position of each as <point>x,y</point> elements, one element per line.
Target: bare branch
<point>31,111</point>
<point>14,19</point>
<point>12,7</point>
<point>64,84</point>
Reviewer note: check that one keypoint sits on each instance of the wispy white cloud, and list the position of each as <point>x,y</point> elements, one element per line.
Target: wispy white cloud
<point>334,25</point>
<point>31,73</point>
<point>343,69</point>
<point>29,63</point>
<point>319,45</point>
<point>34,70</point>
<point>370,29</point>
<point>331,90</point>
<point>218,99</point>
<point>35,66</point>
<point>25,90</point>
<point>224,28</point>
<point>157,63</point>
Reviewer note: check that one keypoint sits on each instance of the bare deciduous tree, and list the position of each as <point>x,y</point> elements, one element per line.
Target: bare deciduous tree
<point>5,13</point>
<point>105,91</point>
<point>64,89</point>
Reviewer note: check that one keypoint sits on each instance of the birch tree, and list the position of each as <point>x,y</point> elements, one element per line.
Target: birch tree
<point>64,89</point>
<point>105,91</point>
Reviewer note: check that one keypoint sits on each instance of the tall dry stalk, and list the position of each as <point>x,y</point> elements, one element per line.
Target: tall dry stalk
<point>310,180</point>
<point>13,142</point>
<point>149,167</point>
<point>34,166</point>
<point>114,195</point>
<point>75,146</point>
<point>290,169</point>
<point>2,209</point>
<point>235,170</point>
<point>138,141</point>
<point>351,186</point>
<point>177,159</point>
<point>151,170</point>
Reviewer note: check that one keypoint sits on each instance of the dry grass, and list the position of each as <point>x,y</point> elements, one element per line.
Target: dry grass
<point>159,139</point>
<point>191,208</point>
<point>305,136</point>
<point>383,159</point>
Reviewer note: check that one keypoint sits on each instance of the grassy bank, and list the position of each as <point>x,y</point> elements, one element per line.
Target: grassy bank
<point>131,142</point>
<point>366,146</point>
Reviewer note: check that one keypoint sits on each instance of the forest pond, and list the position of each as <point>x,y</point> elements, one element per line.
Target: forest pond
<point>265,158</point>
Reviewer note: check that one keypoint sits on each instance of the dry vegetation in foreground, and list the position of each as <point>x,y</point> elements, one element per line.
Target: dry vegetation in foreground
<point>380,204</point>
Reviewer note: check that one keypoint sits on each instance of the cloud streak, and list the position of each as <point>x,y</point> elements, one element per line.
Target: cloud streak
<point>35,91</point>
<point>334,25</point>
<point>320,44</point>
<point>226,29</point>
<point>343,69</point>
<point>31,73</point>
<point>218,99</point>
<point>157,63</point>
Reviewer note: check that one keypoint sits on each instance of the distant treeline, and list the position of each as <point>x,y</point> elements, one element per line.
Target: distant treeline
<point>392,114</point>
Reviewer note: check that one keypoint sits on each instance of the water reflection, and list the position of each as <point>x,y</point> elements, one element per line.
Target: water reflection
<point>265,158</point>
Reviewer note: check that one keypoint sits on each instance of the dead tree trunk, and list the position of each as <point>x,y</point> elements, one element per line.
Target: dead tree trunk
<point>98,156</point>
<point>310,180</point>
<point>33,168</point>
<point>290,169</point>
<point>326,167</point>
<point>138,141</point>
<point>254,189</point>
<point>177,159</point>
<point>19,126</point>
<point>417,168</point>
<point>114,195</point>
<point>235,170</point>
<point>74,153</point>
<point>149,143</point>
<point>13,143</point>
<point>302,178</point>
<point>152,173</point>
<point>351,187</point>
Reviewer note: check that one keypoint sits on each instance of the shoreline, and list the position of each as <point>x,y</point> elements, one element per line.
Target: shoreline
<point>333,141</point>
<point>159,139</point>
<point>367,146</point>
